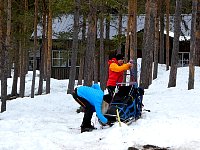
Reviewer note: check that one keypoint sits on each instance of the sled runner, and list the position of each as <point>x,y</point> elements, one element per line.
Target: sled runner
<point>128,101</point>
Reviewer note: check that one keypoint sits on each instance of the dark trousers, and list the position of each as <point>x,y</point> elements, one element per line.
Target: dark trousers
<point>111,90</point>
<point>88,109</point>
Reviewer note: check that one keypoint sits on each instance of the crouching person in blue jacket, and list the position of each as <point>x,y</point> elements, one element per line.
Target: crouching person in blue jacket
<point>90,98</point>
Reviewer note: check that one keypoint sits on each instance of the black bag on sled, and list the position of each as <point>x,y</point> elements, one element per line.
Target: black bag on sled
<point>128,102</point>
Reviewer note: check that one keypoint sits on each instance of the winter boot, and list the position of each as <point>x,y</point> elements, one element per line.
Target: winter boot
<point>87,128</point>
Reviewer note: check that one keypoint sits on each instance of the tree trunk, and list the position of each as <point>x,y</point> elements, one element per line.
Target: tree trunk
<point>49,47</point>
<point>162,26</point>
<point>145,52</point>
<point>91,37</point>
<point>8,38</point>
<point>167,34</point>
<point>16,70</point>
<point>82,52</point>
<point>35,49</point>
<point>174,60</point>
<point>3,52</point>
<point>72,74</point>
<point>96,67</point>
<point>107,46</point>
<point>132,12</point>
<point>96,58</point>
<point>197,35</point>
<point>151,41</point>
<point>156,43</point>
<point>43,48</point>
<point>119,49</point>
<point>127,44</point>
<point>102,51</point>
<point>22,67</point>
<point>192,46</point>
<point>23,52</point>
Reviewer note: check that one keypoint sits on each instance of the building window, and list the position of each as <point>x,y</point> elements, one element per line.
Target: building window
<point>184,58</point>
<point>59,58</point>
<point>62,58</point>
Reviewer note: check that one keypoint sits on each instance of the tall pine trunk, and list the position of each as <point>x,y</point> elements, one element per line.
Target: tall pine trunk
<point>145,51</point>
<point>90,50</point>
<point>43,48</point>
<point>162,26</point>
<point>72,74</point>
<point>96,58</point>
<point>197,35</point>
<point>35,49</point>
<point>174,60</point>
<point>192,46</point>
<point>119,48</point>
<point>16,68</point>
<point>132,12</point>
<point>167,34</point>
<point>3,52</point>
<point>82,52</point>
<point>8,38</point>
<point>102,51</point>
<point>49,47</point>
<point>23,51</point>
<point>156,43</point>
<point>107,46</point>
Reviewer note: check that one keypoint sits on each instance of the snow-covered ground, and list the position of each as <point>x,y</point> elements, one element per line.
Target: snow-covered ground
<point>50,122</point>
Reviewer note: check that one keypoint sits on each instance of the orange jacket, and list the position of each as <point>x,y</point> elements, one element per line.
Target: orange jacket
<point>115,74</point>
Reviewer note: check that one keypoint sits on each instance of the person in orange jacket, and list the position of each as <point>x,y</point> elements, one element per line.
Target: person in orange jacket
<point>116,70</point>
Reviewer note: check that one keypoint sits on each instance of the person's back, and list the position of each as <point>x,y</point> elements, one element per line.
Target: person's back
<point>91,99</point>
<point>94,95</point>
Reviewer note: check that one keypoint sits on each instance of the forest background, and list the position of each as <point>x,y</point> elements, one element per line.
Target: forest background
<point>19,19</point>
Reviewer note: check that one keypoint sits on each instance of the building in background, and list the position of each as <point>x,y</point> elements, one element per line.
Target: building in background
<point>62,41</point>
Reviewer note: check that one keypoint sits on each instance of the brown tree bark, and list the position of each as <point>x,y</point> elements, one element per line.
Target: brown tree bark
<point>197,35</point>
<point>72,74</point>
<point>43,48</point>
<point>132,19</point>
<point>90,50</point>
<point>3,59</point>
<point>156,43</point>
<point>167,34</point>
<point>119,49</point>
<point>174,60</point>
<point>145,51</point>
<point>35,49</point>
<point>162,26</point>
<point>16,68</point>
<point>23,51</point>
<point>192,46</point>
<point>8,38</point>
<point>49,47</point>
<point>107,46</point>
<point>102,51</point>
<point>96,58</point>
<point>82,52</point>
<point>151,37</point>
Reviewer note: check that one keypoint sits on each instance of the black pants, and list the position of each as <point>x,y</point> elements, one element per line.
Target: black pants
<point>111,90</point>
<point>88,109</point>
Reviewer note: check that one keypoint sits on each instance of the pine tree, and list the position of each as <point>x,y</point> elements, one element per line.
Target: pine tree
<point>174,60</point>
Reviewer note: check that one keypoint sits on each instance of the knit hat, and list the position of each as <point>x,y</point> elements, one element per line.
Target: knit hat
<point>119,57</point>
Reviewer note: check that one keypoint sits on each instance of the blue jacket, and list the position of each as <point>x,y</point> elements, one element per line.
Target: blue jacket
<point>94,95</point>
